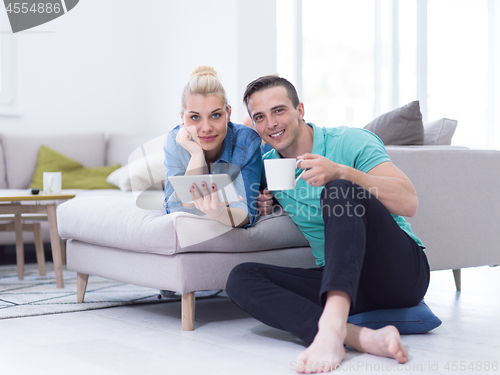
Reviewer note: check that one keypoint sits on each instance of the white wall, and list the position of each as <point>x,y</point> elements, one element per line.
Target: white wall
<point>120,65</point>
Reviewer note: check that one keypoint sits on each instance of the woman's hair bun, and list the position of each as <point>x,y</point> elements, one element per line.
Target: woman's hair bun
<point>204,81</point>
<point>204,71</point>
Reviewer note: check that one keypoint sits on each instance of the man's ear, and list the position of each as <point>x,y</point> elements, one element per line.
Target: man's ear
<point>300,108</point>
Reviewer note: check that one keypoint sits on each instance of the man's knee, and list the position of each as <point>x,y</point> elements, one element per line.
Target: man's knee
<point>342,198</point>
<point>340,189</point>
<point>340,183</point>
<point>346,190</point>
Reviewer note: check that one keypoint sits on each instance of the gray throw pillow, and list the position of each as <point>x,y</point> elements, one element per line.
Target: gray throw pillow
<point>439,132</point>
<point>402,126</point>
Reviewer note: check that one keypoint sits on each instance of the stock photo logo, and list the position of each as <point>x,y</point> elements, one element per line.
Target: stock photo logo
<point>25,15</point>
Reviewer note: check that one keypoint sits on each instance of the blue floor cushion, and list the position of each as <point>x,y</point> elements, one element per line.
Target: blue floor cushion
<point>417,319</point>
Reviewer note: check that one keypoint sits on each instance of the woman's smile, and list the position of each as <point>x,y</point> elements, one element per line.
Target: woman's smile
<point>208,138</point>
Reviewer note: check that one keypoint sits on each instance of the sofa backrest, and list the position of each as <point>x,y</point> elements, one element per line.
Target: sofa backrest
<point>120,147</point>
<point>21,153</point>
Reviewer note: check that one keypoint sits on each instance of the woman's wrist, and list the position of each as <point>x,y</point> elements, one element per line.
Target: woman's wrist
<point>197,165</point>
<point>219,214</point>
<point>197,152</point>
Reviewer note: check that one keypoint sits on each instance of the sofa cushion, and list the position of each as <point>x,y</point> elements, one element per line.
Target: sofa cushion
<point>118,222</point>
<point>74,174</point>
<point>409,320</point>
<point>142,173</point>
<point>21,152</point>
<point>439,132</point>
<point>142,160</point>
<point>120,178</point>
<point>402,126</point>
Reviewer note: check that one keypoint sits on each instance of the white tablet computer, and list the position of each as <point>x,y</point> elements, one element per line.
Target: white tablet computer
<point>225,188</point>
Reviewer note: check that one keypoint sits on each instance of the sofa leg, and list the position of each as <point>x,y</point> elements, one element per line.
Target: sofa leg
<point>458,282</point>
<point>81,286</point>
<point>187,311</point>
<point>63,252</point>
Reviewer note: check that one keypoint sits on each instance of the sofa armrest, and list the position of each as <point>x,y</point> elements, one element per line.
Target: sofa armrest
<point>457,218</point>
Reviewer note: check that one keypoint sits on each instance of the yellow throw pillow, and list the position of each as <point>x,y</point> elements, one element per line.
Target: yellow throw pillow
<point>74,174</point>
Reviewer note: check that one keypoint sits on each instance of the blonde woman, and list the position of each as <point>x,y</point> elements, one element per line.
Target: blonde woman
<point>207,142</point>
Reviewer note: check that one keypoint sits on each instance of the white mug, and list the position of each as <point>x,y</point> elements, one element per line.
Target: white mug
<point>280,173</point>
<point>52,182</point>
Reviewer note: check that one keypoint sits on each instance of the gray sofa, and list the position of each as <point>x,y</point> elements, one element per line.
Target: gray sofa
<point>126,236</point>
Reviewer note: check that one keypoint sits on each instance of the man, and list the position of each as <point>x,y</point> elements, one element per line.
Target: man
<point>349,205</point>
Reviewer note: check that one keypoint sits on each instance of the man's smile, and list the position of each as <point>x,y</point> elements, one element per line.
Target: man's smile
<point>277,135</point>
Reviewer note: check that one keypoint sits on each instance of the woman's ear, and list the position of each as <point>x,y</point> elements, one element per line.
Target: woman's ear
<point>182,117</point>
<point>228,113</point>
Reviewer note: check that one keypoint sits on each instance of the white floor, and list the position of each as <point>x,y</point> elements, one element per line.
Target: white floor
<point>148,339</point>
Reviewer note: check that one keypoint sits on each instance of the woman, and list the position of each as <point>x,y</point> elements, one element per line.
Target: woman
<point>208,142</point>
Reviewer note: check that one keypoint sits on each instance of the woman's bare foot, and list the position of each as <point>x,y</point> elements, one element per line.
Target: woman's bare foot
<point>325,353</point>
<point>384,342</point>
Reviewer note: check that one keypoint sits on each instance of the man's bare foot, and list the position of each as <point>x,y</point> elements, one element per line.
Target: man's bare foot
<point>325,353</point>
<point>384,342</point>
<point>327,350</point>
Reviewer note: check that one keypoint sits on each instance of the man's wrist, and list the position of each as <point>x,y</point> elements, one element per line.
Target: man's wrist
<point>344,173</point>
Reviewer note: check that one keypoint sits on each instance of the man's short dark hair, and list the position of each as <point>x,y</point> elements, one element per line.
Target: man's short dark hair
<point>267,82</point>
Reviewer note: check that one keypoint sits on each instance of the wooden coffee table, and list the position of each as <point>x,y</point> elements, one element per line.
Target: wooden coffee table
<point>43,204</point>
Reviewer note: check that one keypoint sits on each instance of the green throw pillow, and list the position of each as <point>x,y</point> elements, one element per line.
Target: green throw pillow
<point>74,175</point>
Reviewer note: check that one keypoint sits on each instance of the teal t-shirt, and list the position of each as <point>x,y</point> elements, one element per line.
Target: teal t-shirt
<point>356,148</point>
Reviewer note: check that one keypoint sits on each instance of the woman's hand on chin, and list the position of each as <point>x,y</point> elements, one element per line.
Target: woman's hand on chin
<point>188,138</point>
<point>208,203</point>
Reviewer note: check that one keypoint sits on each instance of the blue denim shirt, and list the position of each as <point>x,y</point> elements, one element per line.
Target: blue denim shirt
<point>240,158</point>
<point>266,147</point>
